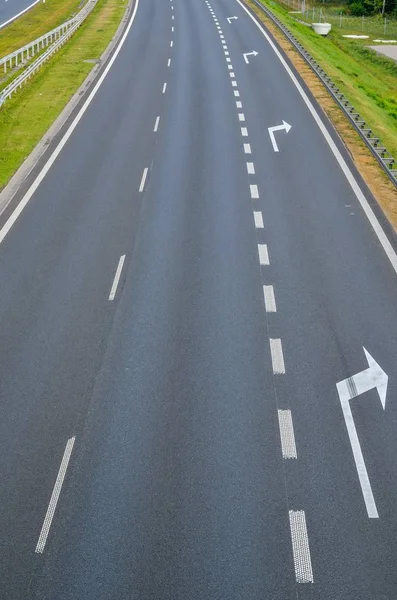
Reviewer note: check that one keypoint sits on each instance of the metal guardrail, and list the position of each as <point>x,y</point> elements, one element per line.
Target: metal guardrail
<point>374,143</point>
<point>53,39</point>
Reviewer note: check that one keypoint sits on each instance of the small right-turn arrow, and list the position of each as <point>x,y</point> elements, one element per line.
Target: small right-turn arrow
<point>231,18</point>
<point>246,54</point>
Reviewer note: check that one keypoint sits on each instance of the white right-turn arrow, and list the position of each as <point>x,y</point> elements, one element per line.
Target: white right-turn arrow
<point>285,126</point>
<point>246,54</point>
<point>369,379</point>
<point>231,18</point>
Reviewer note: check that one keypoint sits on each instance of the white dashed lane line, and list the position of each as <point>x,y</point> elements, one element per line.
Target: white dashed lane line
<point>270,300</point>
<point>263,255</point>
<point>244,131</point>
<point>254,191</point>
<point>156,125</point>
<point>55,496</point>
<point>143,180</point>
<point>164,87</point>
<point>247,148</point>
<point>258,219</point>
<point>169,62</point>
<point>250,168</point>
<point>241,116</point>
<point>300,547</point>
<point>276,351</point>
<point>116,278</point>
<point>288,446</point>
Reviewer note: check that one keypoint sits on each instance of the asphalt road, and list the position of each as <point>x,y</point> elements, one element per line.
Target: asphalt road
<point>10,9</point>
<point>251,282</point>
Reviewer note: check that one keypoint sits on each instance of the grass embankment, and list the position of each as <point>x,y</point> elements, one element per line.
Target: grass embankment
<point>25,118</point>
<point>41,18</point>
<point>368,80</point>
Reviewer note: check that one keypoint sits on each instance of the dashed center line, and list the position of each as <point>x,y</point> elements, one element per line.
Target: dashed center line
<point>156,125</point>
<point>247,148</point>
<point>164,87</point>
<point>169,62</point>
<point>239,104</point>
<point>250,168</point>
<point>241,117</point>
<point>244,131</point>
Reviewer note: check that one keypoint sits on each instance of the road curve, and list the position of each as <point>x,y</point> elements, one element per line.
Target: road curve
<point>180,297</point>
<point>12,9</point>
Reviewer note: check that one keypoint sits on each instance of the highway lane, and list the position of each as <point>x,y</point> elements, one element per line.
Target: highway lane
<point>177,486</point>
<point>177,489</point>
<point>12,9</point>
<point>57,268</point>
<point>335,292</point>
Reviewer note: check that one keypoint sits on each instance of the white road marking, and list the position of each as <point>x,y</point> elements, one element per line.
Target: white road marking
<point>18,14</point>
<point>226,52</point>
<point>239,104</point>
<point>241,116</point>
<point>171,44</point>
<point>172,17</point>
<point>250,168</point>
<point>172,29</point>
<point>382,237</point>
<point>164,87</point>
<point>254,192</point>
<point>300,546</point>
<point>263,255</point>
<point>156,125</point>
<point>276,351</point>
<point>228,60</point>
<point>244,131</point>
<point>288,446</point>
<point>258,219</point>
<point>270,300</point>
<point>169,62</point>
<point>232,75</point>
<point>116,278</point>
<point>237,93</point>
<point>230,67</point>
<point>143,180</point>
<point>19,208</point>
<point>247,148</point>
<point>234,83</point>
<point>55,496</point>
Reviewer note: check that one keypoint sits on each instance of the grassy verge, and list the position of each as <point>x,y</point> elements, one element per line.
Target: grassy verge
<point>367,80</point>
<point>41,18</point>
<point>25,118</point>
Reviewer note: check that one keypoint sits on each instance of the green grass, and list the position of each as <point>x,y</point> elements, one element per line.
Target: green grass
<point>25,118</point>
<point>367,79</point>
<point>42,18</point>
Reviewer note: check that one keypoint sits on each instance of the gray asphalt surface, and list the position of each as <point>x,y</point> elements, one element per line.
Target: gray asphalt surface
<point>12,8</point>
<point>177,487</point>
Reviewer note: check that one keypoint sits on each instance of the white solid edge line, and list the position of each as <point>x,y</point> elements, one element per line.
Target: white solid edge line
<point>300,547</point>
<point>382,237</point>
<point>258,219</point>
<point>156,125</point>
<point>276,350</point>
<point>55,496</point>
<point>269,297</point>
<point>143,180</point>
<point>117,278</point>
<point>19,14</point>
<point>24,201</point>
<point>287,435</point>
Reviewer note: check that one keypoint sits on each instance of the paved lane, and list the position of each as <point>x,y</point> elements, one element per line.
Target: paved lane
<point>12,9</point>
<point>177,490</point>
<point>57,267</point>
<point>335,292</point>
